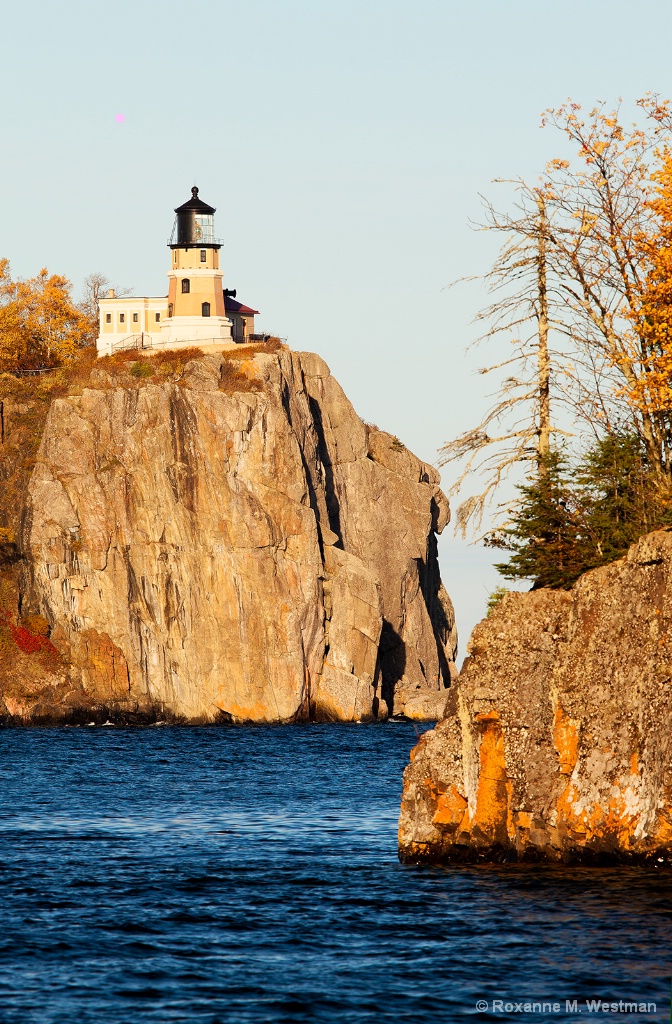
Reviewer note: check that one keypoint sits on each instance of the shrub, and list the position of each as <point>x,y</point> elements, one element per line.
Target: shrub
<point>183,355</point>
<point>495,598</point>
<point>24,636</point>
<point>245,351</point>
<point>231,379</point>
<point>35,624</point>
<point>52,385</point>
<point>32,643</point>
<point>145,363</point>
<point>142,370</point>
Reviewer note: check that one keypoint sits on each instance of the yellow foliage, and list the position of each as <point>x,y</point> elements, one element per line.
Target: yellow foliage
<point>652,316</point>
<point>614,254</point>
<point>39,323</point>
<point>36,624</point>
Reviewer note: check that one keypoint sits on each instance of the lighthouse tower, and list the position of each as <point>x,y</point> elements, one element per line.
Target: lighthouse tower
<point>196,313</point>
<point>197,310</point>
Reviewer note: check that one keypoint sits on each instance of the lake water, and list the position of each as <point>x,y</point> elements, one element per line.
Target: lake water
<point>250,875</point>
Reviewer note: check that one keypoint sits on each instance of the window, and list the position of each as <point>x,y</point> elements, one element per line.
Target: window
<point>205,309</point>
<point>204,227</point>
<point>186,287</point>
<point>157,317</point>
<point>175,257</point>
<point>135,318</point>
<point>122,318</point>
<point>170,309</point>
<point>202,255</point>
<point>108,318</point>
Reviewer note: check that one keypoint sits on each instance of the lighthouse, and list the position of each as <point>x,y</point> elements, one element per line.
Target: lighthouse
<point>196,310</point>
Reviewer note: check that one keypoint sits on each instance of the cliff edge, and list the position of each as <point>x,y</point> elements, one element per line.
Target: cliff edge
<point>557,741</point>
<point>205,544</point>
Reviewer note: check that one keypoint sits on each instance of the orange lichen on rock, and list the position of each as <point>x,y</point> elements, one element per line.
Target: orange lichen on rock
<point>416,749</point>
<point>450,808</point>
<point>523,819</point>
<point>595,822</point>
<point>571,760</point>
<point>566,741</point>
<point>493,795</point>
<point>663,835</point>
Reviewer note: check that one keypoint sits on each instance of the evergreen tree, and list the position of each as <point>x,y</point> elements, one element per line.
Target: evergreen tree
<point>560,529</point>
<point>546,536</point>
<point>620,495</point>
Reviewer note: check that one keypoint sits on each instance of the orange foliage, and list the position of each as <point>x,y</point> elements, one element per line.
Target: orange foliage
<point>39,324</point>
<point>653,316</point>
<point>611,232</point>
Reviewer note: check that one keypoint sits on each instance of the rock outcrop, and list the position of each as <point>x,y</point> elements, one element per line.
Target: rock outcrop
<point>557,741</point>
<point>208,552</point>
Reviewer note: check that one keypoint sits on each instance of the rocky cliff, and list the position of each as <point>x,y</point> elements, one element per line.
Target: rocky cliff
<point>207,544</point>
<point>557,742</point>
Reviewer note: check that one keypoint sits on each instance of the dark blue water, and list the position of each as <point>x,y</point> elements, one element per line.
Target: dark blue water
<point>247,875</point>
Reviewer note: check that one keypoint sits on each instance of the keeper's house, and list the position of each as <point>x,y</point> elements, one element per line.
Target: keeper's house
<point>197,310</point>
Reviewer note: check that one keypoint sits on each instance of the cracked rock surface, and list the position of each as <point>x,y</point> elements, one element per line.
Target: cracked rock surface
<point>557,740</point>
<point>205,554</point>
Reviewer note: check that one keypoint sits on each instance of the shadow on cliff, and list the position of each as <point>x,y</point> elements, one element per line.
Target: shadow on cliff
<point>392,654</point>
<point>430,585</point>
<point>331,497</point>
<point>392,647</point>
<point>9,554</point>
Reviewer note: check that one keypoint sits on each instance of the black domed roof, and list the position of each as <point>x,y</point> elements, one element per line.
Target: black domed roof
<point>195,204</point>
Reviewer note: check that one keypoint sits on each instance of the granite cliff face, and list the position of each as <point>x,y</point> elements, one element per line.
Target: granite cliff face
<point>197,551</point>
<point>557,741</point>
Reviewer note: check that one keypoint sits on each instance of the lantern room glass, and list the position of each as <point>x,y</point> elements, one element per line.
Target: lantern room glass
<point>204,228</point>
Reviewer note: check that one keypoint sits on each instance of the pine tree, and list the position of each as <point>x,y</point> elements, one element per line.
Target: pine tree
<point>546,535</point>
<point>620,496</point>
<point>569,521</point>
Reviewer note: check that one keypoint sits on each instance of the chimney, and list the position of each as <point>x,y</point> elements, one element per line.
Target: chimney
<point>110,293</point>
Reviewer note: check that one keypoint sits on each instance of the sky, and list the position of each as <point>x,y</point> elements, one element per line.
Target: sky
<point>344,143</point>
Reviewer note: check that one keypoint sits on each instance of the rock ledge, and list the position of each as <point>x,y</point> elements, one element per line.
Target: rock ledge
<point>557,740</point>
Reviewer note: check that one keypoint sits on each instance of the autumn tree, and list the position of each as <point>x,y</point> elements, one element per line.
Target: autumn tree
<point>13,341</point>
<point>608,230</point>
<point>652,392</point>
<point>588,262</point>
<point>39,323</point>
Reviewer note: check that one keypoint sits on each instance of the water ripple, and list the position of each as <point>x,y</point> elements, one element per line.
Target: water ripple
<point>250,875</point>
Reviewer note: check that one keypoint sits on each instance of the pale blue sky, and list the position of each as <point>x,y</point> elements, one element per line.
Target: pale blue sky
<point>344,144</point>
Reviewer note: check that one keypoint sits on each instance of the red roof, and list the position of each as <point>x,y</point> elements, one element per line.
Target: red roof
<point>231,305</point>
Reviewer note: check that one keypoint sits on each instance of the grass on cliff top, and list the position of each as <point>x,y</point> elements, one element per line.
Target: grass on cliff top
<point>43,387</point>
<point>133,366</point>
